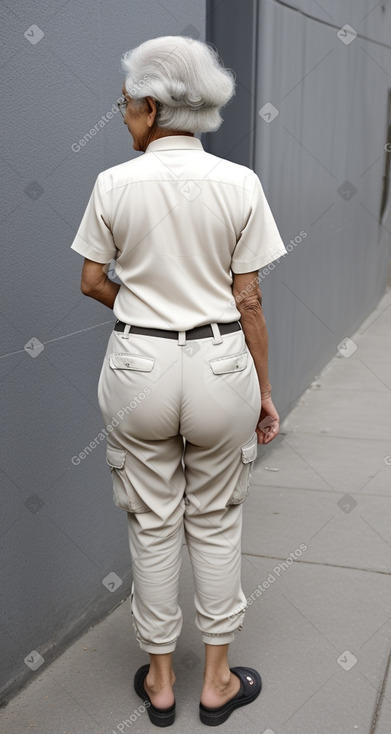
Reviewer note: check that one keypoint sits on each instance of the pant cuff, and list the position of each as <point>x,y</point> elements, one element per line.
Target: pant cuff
<point>158,649</point>
<point>223,639</point>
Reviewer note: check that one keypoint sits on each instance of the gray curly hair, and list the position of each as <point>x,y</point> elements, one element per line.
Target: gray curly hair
<point>185,77</point>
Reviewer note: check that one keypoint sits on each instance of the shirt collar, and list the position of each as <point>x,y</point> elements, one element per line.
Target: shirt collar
<point>174,142</point>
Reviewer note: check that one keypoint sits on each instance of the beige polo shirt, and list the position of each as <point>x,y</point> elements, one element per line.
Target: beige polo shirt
<point>179,221</point>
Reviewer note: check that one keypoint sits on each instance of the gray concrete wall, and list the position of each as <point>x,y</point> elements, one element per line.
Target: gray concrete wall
<point>312,117</point>
<point>61,534</point>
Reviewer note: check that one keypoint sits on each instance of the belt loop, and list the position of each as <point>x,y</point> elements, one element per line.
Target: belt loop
<point>181,338</point>
<point>126,331</point>
<point>217,338</point>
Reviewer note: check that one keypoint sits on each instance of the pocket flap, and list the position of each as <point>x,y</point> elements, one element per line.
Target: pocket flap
<point>131,362</point>
<point>115,457</point>
<point>249,450</point>
<point>232,363</point>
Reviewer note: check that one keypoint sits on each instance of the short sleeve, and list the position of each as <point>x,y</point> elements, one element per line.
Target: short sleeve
<point>259,242</point>
<point>94,238</point>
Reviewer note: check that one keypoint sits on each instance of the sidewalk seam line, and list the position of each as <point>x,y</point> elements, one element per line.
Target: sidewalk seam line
<point>319,563</point>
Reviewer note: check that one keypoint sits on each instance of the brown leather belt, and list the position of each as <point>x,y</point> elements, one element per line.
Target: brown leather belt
<point>199,332</point>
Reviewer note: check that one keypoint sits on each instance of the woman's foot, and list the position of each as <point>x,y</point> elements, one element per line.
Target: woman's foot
<point>160,690</point>
<point>217,692</point>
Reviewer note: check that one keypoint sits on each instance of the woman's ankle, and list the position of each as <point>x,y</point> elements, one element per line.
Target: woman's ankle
<point>218,680</point>
<point>158,681</point>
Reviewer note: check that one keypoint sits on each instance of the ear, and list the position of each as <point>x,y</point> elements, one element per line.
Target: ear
<point>152,111</point>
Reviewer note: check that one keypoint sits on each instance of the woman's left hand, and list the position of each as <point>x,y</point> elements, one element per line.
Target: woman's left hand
<point>269,422</point>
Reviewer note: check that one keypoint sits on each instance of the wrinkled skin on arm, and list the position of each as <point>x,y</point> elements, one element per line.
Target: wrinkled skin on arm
<point>248,298</point>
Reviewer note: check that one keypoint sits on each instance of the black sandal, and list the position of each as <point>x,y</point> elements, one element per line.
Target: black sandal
<point>159,717</point>
<point>250,688</point>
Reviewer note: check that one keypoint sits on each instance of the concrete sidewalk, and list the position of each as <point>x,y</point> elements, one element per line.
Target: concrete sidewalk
<point>316,570</point>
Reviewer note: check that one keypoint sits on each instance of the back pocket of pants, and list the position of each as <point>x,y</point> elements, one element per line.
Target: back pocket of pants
<point>230,363</point>
<point>124,494</point>
<point>248,456</point>
<point>127,361</point>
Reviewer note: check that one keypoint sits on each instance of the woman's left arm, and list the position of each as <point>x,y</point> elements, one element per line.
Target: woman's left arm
<point>96,284</point>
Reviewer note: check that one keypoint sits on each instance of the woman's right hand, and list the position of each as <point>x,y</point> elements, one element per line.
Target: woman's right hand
<point>269,422</point>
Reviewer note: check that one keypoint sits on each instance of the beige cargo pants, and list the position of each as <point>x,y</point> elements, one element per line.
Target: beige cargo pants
<point>181,418</point>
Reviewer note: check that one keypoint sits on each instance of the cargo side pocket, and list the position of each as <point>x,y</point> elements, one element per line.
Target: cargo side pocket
<point>124,494</point>
<point>248,455</point>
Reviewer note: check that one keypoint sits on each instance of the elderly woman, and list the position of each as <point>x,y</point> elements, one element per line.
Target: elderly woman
<point>184,387</point>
